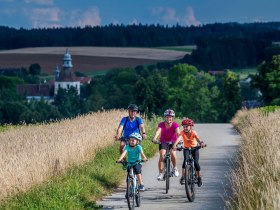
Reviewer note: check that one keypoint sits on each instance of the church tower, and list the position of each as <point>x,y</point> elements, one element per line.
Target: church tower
<point>66,78</point>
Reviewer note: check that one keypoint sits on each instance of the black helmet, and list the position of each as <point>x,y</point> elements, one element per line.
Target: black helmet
<point>132,107</point>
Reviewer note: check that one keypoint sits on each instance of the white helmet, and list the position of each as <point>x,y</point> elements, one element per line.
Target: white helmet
<point>136,136</point>
<point>169,112</point>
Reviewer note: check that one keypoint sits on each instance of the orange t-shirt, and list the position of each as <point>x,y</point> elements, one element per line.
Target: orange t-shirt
<point>189,140</point>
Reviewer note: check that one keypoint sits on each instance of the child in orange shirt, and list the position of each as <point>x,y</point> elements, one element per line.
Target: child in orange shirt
<point>191,140</point>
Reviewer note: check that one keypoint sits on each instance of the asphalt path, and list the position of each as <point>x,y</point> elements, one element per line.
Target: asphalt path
<point>215,160</point>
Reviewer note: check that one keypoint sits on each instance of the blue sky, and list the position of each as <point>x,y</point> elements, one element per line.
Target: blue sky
<point>69,13</point>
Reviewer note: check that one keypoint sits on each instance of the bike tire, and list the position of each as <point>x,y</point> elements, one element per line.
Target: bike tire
<point>189,183</point>
<point>138,197</point>
<point>129,193</point>
<point>167,174</point>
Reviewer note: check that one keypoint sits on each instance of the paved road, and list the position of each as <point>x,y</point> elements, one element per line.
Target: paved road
<point>215,160</point>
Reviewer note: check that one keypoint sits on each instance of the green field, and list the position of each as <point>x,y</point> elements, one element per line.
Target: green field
<point>186,48</point>
<point>244,73</point>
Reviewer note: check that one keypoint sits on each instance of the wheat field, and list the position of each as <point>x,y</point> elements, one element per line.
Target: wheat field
<point>31,154</point>
<point>256,179</point>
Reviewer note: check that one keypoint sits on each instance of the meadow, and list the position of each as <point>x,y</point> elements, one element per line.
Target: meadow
<point>256,178</point>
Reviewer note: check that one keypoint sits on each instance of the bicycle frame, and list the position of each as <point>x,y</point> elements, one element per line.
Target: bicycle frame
<point>167,166</point>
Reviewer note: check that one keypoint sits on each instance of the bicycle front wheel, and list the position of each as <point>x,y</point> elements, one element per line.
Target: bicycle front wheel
<point>130,195</point>
<point>189,183</point>
<point>138,197</point>
<point>167,174</point>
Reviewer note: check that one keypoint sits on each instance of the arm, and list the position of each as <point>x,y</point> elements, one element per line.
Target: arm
<point>122,156</point>
<point>119,132</point>
<point>142,128</point>
<point>180,138</point>
<point>143,156</point>
<point>177,130</point>
<point>158,131</point>
<point>199,140</point>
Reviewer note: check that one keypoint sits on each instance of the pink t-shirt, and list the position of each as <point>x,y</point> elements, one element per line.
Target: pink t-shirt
<point>168,134</point>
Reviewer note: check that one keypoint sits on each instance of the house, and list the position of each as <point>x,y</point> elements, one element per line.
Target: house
<point>65,79</point>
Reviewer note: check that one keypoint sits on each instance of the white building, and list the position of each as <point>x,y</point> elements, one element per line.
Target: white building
<point>66,78</point>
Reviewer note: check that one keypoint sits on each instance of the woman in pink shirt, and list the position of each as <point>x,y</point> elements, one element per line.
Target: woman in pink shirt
<point>168,131</point>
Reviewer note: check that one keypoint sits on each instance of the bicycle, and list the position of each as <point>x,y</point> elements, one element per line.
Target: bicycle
<point>133,194</point>
<point>190,177</point>
<point>167,165</point>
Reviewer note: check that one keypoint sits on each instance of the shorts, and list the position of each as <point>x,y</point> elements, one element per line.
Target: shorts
<point>164,145</point>
<point>136,168</point>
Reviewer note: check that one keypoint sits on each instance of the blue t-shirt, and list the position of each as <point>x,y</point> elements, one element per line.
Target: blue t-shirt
<point>133,154</point>
<point>130,127</point>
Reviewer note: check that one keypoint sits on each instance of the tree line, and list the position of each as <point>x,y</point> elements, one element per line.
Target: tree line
<point>185,89</point>
<point>134,35</point>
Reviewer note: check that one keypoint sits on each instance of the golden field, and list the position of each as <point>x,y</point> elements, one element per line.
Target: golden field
<point>30,154</point>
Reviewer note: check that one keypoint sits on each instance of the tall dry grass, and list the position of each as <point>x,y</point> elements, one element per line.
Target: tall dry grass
<point>256,179</point>
<point>31,154</point>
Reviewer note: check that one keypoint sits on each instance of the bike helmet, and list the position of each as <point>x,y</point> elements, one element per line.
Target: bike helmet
<point>136,136</point>
<point>132,107</point>
<point>169,112</point>
<point>188,121</point>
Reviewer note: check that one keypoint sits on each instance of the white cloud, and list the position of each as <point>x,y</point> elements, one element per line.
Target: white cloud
<point>40,2</point>
<point>91,17</point>
<point>189,18</point>
<point>44,17</point>
<point>134,22</point>
<point>170,16</point>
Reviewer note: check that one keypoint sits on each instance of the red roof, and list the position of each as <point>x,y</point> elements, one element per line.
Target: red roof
<point>35,90</point>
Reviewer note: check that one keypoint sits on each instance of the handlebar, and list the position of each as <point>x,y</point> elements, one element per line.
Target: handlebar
<point>191,148</point>
<point>131,163</point>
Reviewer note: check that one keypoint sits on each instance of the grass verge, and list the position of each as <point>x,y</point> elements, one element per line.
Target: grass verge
<point>256,178</point>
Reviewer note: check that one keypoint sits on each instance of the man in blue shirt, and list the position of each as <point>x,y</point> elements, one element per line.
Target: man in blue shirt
<point>129,125</point>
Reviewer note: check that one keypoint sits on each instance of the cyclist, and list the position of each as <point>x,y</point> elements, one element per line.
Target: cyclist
<point>129,125</point>
<point>190,139</point>
<point>135,153</point>
<point>168,131</point>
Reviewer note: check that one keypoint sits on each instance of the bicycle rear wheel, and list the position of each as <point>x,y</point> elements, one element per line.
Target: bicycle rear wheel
<point>189,183</point>
<point>167,174</point>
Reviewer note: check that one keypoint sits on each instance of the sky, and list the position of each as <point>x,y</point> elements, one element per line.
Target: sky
<point>72,13</point>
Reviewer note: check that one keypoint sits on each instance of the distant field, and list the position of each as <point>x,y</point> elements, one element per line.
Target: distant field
<point>86,59</point>
<point>244,73</point>
<point>187,48</point>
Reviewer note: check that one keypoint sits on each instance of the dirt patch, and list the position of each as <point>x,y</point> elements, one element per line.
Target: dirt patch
<point>81,63</point>
<point>85,59</point>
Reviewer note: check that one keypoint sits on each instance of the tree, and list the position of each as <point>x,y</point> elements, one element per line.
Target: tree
<point>268,80</point>
<point>230,98</point>
<point>35,69</point>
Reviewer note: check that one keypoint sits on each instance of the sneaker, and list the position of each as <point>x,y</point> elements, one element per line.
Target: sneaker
<point>199,181</point>
<point>160,177</point>
<point>182,181</point>
<point>175,172</point>
<point>141,187</point>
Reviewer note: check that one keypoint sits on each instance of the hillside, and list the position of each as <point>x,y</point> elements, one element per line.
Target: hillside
<point>86,59</point>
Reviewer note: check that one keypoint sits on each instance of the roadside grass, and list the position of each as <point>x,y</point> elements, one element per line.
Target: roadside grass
<point>244,73</point>
<point>256,178</point>
<point>80,186</point>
